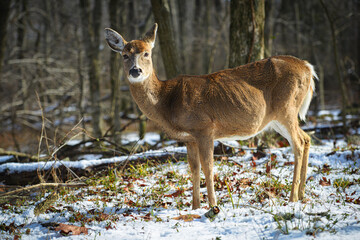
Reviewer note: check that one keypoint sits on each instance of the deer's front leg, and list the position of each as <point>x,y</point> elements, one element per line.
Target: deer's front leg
<point>194,162</point>
<point>206,152</point>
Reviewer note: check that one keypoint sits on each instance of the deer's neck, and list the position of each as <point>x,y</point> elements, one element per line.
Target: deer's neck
<point>147,95</point>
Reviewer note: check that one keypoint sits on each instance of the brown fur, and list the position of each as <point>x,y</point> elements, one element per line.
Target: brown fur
<point>234,102</point>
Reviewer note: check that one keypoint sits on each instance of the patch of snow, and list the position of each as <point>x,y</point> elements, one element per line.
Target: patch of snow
<point>243,220</point>
<point>91,160</point>
<point>334,112</point>
<point>5,158</point>
<point>73,142</point>
<point>150,138</point>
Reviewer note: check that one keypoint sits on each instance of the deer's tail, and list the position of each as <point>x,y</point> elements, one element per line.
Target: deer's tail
<point>306,103</point>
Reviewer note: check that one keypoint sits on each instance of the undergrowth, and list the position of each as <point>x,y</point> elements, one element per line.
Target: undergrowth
<point>143,191</point>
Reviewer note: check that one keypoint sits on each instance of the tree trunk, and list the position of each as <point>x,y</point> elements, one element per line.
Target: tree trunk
<point>345,101</point>
<point>4,15</point>
<point>207,23</point>
<point>182,42</point>
<point>298,29</point>
<point>247,19</point>
<point>166,38</point>
<point>91,40</point>
<point>195,67</point>
<point>20,44</point>
<point>115,66</point>
<point>271,13</point>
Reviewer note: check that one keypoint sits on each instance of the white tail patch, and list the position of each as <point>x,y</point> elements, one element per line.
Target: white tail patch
<point>306,103</point>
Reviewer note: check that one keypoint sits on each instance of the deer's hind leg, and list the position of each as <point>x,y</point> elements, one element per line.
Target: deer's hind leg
<point>304,166</point>
<point>291,131</point>
<point>194,162</point>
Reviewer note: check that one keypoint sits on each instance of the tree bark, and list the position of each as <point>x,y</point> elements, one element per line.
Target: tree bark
<point>166,37</point>
<point>182,33</point>
<point>4,16</point>
<point>247,19</point>
<point>344,98</point>
<point>91,39</point>
<point>196,45</point>
<point>115,66</point>
<point>207,23</point>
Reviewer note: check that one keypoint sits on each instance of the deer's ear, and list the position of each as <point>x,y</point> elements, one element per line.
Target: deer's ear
<point>115,41</point>
<point>150,36</point>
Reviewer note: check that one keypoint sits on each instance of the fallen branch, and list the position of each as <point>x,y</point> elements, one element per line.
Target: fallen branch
<point>27,177</point>
<point>21,155</point>
<point>43,185</point>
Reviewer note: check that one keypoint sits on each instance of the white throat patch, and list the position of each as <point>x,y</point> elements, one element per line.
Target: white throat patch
<point>139,79</point>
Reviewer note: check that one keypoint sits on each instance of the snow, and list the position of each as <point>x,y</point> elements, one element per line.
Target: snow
<point>325,208</point>
<point>90,160</point>
<point>150,137</point>
<point>5,158</point>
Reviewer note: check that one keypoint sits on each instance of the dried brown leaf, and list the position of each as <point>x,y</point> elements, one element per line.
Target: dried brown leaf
<point>288,163</point>
<point>187,217</point>
<point>175,194</point>
<point>66,229</point>
<point>325,182</point>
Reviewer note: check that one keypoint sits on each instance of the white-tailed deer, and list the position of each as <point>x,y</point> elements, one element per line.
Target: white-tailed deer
<point>235,103</point>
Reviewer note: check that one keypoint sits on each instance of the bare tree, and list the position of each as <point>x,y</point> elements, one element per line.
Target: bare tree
<point>181,5</point>
<point>166,37</point>
<point>246,31</point>
<point>196,43</point>
<point>4,15</point>
<point>90,19</point>
<point>345,101</point>
<point>116,22</point>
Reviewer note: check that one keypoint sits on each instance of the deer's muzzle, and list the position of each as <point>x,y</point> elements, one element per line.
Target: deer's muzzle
<point>135,72</point>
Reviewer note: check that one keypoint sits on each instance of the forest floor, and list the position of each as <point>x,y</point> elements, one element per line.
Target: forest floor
<point>152,199</point>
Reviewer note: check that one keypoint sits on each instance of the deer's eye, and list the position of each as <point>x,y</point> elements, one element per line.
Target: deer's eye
<point>125,57</point>
<point>146,54</point>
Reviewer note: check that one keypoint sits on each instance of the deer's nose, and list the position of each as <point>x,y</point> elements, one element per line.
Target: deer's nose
<point>135,72</point>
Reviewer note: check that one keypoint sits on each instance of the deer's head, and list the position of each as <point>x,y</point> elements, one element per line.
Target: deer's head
<point>136,53</point>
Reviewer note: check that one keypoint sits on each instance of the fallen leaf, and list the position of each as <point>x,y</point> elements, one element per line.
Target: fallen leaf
<point>245,182</point>
<point>311,178</point>
<point>288,163</point>
<point>187,217</point>
<point>66,229</point>
<point>325,182</point>
<point>147,217</point>
<point>241,152</point>
<point>253,163</point>
<point>258,155</point>
<point>102,217</point>
<point>283,143</point>
<point>175,194</point>
<point>110,227</point>
<point>331,153</point>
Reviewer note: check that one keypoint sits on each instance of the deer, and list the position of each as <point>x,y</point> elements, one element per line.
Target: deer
<point>236,103</point>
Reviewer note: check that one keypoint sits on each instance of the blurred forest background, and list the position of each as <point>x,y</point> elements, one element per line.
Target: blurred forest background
<point>57,72</point>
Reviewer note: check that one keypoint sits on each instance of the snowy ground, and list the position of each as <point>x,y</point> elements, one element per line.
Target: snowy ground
<point>253,198</point>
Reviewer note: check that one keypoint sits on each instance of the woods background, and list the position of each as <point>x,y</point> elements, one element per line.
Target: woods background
<point>57,72</point>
